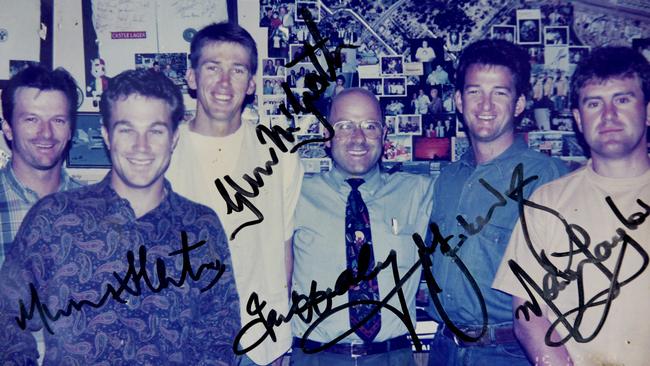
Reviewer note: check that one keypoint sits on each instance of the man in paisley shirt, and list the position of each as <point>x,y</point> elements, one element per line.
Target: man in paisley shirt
<point>124,271</point>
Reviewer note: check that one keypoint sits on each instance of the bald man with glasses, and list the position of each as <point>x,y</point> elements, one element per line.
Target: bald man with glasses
<point>354,211</point>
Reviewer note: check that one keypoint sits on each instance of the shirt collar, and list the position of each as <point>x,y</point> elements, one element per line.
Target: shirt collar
<point>116,203</point>
<point>27,193</point>
<point>518,145</point>
<point>372,180</point>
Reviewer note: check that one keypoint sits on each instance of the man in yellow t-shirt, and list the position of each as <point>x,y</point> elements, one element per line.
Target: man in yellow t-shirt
<point>577,261</point>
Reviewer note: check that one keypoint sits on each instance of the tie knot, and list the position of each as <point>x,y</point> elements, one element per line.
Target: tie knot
<point>355,183</point>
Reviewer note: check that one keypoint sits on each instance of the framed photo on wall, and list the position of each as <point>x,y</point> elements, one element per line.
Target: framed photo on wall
<point>87,149</point>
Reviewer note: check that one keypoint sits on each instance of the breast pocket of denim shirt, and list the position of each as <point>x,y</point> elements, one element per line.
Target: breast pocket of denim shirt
<point>494,240</point>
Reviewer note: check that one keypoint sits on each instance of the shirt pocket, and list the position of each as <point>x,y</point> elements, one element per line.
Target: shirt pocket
<point>399,234</point>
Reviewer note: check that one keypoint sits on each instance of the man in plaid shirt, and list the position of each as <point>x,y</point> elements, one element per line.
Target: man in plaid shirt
<point>40,109</point>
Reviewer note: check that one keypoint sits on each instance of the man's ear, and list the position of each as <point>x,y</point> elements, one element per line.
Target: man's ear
<point>520,105</point>
<point>328,142</point>
<point>576,116</point>
<point>175,137</point>
<point>6,129</point>
<point>106,138</point>
<point>458,97</point>
<point>251,86</point>
<point>190,77</point>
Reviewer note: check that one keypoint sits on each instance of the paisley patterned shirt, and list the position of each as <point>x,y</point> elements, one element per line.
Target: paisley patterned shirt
<point>115,289</point>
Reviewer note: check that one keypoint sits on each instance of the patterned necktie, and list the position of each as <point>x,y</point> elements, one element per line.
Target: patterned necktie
<point>358,235</point>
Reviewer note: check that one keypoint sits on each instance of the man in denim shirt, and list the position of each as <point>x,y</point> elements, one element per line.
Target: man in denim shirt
<point>472,209</point>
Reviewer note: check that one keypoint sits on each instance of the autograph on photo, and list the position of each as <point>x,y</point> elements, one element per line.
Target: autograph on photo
<point>316,84</point>
<point>556,280</point>
<point>130,282</point>
<point>319,302</point>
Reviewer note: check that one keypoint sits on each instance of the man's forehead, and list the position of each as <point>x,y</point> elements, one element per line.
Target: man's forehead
<point>356,102</point>
<point>226,48</point>
<point>606,82</point>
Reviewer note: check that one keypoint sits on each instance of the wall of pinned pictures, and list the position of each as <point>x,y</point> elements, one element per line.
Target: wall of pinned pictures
<point>406,52</point>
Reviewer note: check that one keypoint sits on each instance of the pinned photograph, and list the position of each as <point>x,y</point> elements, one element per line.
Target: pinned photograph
<point>311,150</point>
<point>410,124</point>
<point>431,148</point>
<point>271,104</point>
<point>391,122</point>
<point>578,53</point>
<point>643,46</point>
<point>313,7</point>
<point>173,65</point>
<point>392,65</point>
<point>529,26</point>
<point>299,73</point>
<point>395,86</point>
<point>459,146</point>
<point>504,32</point>
<point>87,149</point>
<point>374,85</point>
<point>556,57</point>
<point>556,36</point>
<point>439,75</point>
<point>454,41</point>
<point>308,124</point>
<point>273,67</point>
<point>422,50</point>
<point>272,86</point>
<point>15,66</point>
<point>398,148</point>
<point>440,125</point>
<point>393,106</point>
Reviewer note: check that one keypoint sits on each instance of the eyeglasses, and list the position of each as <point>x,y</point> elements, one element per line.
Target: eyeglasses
<point>370,129</point>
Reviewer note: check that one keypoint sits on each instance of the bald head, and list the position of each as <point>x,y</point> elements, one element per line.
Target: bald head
<point>356,151</point>
<point>353,99</point>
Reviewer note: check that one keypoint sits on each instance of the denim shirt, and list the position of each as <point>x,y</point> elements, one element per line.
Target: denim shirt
<point>458,191</point>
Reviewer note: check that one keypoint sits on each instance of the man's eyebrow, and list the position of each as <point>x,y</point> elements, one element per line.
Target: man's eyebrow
<point>122,122</point>
<point>160,123</point>
<point>496,87</point>
<point>615,95</point>
<point>219,62</point>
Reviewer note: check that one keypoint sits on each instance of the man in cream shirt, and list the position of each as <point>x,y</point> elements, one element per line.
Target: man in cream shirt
<point>599,214</point>
<point>217,145</point>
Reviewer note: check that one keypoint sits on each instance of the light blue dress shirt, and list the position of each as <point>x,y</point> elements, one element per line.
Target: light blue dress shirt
<point>399,205</point>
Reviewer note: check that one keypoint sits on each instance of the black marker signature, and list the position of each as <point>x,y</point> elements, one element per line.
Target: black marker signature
<point>316,84</point>
<point>319,302</point>
<point>134,273</point>
<point>556,280</point>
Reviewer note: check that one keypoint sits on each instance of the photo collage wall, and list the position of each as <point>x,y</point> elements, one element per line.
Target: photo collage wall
<point>405,54</point>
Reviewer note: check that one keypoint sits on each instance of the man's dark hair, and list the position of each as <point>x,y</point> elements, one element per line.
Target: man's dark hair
<point>146,83</point>
<point>223,32</point>
<point>612,62</point>
<point>496,52</point>
<point>40,77</point>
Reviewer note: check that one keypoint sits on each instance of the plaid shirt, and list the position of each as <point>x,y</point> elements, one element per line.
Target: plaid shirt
<point>16,200</point>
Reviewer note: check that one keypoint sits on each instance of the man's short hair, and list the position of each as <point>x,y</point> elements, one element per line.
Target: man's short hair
<point>496,52</point>
<point>144,82</point>
<point>223,32</point>
<point>612,62</point>
<point>40,77</point>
